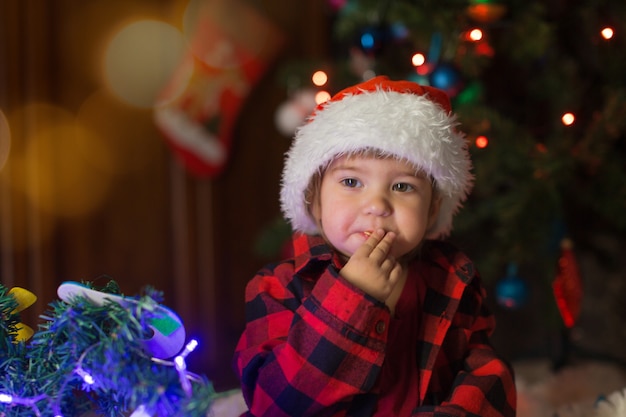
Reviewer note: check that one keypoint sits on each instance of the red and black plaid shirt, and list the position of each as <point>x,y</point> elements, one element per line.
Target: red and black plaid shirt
<point>315,345</point>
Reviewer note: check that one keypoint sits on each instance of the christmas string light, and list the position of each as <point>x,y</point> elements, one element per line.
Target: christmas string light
<point>86,376</point>
<point>179,363</point>
<point>181,366</point>
<point>28,402</point>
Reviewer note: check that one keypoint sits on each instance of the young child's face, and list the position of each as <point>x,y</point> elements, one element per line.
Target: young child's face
<point>360,194</point>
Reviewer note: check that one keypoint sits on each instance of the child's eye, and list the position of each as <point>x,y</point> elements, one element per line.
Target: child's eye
<point>350,182</point>
<point>402,187</point>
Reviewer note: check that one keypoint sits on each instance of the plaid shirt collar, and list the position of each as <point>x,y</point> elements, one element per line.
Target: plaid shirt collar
<point>311,252</point>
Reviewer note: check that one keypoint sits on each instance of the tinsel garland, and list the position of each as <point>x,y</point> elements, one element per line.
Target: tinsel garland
<point>85,357</point>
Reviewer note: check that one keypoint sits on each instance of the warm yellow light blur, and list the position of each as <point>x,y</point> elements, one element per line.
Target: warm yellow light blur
<point>322,97</point>
<point>607,33</point>
<point>5,140</point>
<point>418,59</point>
<point>319,78</point>
<point>140,59</point>
<point>568,119</point>
<point>59,177</point>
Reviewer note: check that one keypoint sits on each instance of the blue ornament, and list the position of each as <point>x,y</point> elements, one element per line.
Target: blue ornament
<point>447,78</point>
<point>368,41</point>
<point>373,38</point>
<point>512,291</point>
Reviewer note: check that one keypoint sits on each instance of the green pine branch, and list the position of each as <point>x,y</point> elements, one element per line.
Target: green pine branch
<point>105,342</point>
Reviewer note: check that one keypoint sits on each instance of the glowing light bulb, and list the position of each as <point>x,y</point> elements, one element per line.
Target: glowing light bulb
<point>319,78</point>
<point>181,365</point>
<point>190,347</point>
<point>568,119</point>
<point>482,142</point>
<point>607,33</point>
<point>418,59</point>
<point>86,376</point>
<point>6,398</point>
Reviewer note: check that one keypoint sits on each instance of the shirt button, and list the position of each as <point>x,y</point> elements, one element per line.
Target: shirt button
<point>380,327</point>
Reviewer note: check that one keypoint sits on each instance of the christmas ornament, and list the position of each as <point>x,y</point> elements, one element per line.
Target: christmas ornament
<point>24,300</point>
<point>471,94</point>
<point>512,291</point>
<point>372,38</point>
<point>293,113</point>
<point>229,51</point>
<point>446,77</point>
<point>568,286</point>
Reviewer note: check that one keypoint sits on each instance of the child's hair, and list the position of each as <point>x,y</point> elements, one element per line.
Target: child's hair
<point>399,119</point>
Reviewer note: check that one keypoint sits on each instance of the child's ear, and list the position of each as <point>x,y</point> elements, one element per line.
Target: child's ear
<point>433,212</point>
<point>315,211</point>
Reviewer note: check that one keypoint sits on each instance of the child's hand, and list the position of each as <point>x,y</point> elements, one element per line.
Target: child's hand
<point>372,268</point>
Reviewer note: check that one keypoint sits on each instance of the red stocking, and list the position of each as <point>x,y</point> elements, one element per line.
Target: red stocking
<point>228,52</point>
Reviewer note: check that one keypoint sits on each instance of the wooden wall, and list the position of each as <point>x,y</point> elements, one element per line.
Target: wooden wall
<point>123,206</point>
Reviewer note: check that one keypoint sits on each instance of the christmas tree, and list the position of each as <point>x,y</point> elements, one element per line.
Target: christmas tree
<point>539,90</point>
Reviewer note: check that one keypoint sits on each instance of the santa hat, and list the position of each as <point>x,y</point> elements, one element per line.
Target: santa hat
<point>401,119</point>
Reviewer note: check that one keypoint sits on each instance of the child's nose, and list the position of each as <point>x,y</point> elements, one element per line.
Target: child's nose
<point>377,205</point>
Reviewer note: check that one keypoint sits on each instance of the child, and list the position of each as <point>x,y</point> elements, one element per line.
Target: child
<point>372,317</point>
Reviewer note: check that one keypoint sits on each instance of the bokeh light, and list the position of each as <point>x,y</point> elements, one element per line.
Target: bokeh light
<point>5,140</point>
<point>59,177</point>
<point>367,41</point>
<point>568,119</point>
<point>418,59</point>
<point>475,35</point>
<point>140,59</point>
<point>322,97</point>
<point>607,33</point>
<point>482,142</point>
<point>319,78</point>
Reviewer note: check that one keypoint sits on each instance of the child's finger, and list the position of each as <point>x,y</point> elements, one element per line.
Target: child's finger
<point>383,247</point>
<point>370,243</point>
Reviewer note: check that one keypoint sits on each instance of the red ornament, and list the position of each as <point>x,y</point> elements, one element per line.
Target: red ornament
<point>568,286</point>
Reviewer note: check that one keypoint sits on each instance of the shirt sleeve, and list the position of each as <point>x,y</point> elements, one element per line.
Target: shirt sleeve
<point>296,337</point>
<point>482,383</point>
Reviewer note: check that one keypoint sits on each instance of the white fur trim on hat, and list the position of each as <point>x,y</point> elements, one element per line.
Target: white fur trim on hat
<point>403,124</point>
